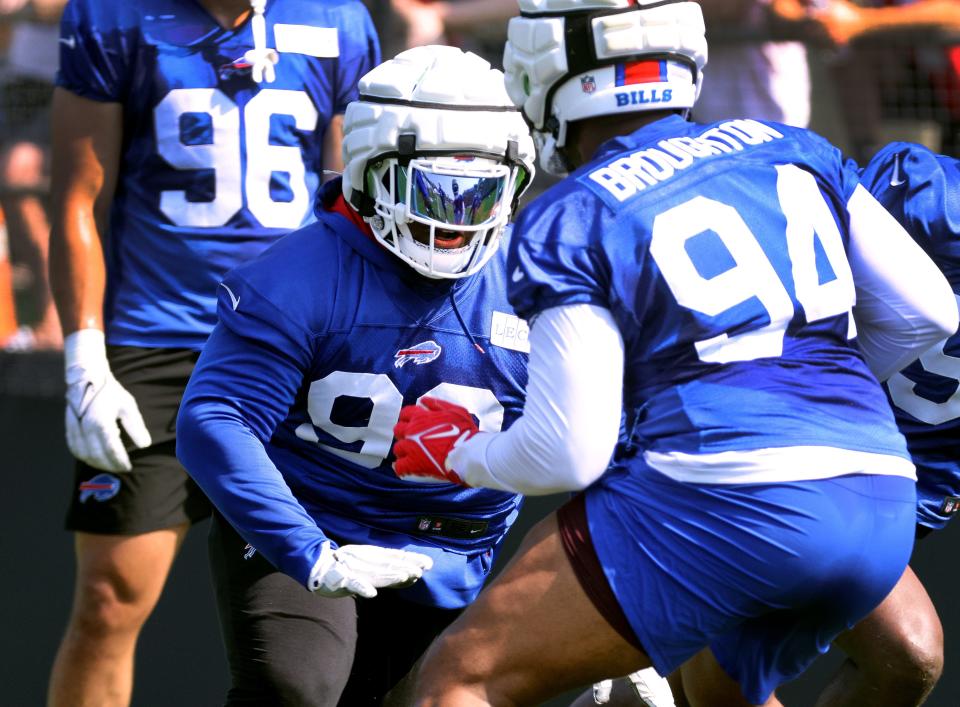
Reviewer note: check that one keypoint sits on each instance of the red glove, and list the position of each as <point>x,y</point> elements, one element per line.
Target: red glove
<point>426,433</point>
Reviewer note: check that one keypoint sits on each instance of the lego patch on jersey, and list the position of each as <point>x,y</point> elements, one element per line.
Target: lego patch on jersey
<point>420,354</point>
<point>950,505</point>
<point>451,527</point>
<point>101,487</point>
<point>322,42</point>
<point>509,331</point>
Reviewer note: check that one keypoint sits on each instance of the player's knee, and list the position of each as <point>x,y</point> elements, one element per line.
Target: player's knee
<point>290,684</point>
<point>100,610</point>
<point>22,165</point>
<point>915,663</point>
<point>451,670</point>
<point>438,671</point>
<point>921,663</point>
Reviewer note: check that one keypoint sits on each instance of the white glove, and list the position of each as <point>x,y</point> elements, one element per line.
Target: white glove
<point>651,688</point>
<point>362,569</point>
<point>601,691</point>
<point>96,403</point>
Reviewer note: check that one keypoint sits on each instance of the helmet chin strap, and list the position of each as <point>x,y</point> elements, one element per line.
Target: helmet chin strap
<point>553,159</point>
<point>261,57</point>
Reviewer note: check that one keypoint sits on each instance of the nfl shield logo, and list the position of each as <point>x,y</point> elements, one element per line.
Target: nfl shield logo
<point>950,505</point>
<point>588,84</point>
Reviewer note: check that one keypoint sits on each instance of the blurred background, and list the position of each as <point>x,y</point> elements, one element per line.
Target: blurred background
<point>860,74</point>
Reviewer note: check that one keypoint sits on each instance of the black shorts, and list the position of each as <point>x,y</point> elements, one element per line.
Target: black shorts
<point>157,493</point>
<point>286,645</point>
<point>25,110</point>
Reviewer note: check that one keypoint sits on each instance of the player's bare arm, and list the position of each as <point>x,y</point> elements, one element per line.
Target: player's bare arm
<point>86,152</point>
<point>332,154</point>
<point>845,21</point>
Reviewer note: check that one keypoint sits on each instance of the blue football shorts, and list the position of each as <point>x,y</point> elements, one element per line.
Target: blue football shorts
<point>767,575</point>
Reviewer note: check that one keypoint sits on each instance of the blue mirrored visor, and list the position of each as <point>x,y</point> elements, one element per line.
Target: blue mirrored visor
<point>454,199</point>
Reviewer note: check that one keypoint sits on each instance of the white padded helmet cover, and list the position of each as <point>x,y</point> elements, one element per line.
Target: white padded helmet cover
<point>423,80</point>
<point>535,57</point>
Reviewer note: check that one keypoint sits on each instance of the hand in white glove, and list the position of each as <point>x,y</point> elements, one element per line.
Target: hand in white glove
<point>362,569</point>
<point>97,405</point>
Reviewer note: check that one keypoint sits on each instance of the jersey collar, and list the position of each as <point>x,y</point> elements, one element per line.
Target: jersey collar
<point>339,206</point>
<point>670,126</point>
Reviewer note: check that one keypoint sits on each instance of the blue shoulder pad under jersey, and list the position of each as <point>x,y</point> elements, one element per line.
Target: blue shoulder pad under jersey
<point>922,190</point>
<point>321,341</point>
<point>720,250</point>
<point>215,167</point>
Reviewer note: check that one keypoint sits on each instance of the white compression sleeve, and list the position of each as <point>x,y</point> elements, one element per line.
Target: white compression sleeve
<point>904,303</point>
<point>571,419</point>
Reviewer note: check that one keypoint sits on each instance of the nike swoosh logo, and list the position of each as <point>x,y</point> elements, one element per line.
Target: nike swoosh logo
<point>438,432</point>
<point>517,274</point>
<point>441,432</point>
<point>897,179</point>
<point>69,41</point>
<point>234,300</point>
<point>86,399</point>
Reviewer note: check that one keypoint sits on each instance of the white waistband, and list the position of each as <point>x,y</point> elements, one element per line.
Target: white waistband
<point>776,464</point>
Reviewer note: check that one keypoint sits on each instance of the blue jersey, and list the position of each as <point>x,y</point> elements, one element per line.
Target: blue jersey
<point>922,190</point>
<point>214,167</point>
<point>321,341</point>
<point>720,252</point>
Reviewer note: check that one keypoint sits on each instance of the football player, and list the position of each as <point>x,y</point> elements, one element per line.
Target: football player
<point>187,137</point>
<point>896,653</point>
<point>731,293</point>
<point>287,421</point>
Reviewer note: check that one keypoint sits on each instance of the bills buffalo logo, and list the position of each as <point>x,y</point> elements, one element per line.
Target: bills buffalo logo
<point>420,354</point>
<point>101,487</point>
<point>588,84</point>
<point>237,67</point>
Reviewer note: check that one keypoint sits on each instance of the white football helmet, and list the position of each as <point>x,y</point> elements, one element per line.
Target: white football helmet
<point>435,140</point>
<point>567,60</point>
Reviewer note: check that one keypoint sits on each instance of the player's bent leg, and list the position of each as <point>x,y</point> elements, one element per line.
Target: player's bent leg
<point>392,635</point>
<point>532,634</point>
<point>285,645</point>
<point>675,679</point>
<point>705,682</point>
<point>119,580</point>
<point>895,654</point>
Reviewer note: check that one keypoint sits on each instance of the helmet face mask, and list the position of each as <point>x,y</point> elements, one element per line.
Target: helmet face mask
<point>443,215</point>
<point>436,157</point>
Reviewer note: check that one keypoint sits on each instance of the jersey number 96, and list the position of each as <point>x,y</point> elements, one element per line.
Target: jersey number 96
<point>243,161</point>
